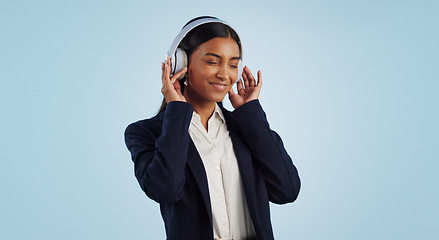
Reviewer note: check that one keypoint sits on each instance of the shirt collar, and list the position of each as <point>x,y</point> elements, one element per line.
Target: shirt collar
<point>216,113</point>
<point>219,112</point>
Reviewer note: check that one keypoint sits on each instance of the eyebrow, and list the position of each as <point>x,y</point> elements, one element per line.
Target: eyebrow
<point>218,56</point>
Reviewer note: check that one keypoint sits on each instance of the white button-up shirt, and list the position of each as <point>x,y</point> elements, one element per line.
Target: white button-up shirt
<point>231,219</point>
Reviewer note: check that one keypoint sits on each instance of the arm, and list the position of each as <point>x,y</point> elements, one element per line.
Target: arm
<point>160,162</point>
<point>268,152</point>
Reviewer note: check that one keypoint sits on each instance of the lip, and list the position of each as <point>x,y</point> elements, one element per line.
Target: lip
<point>219,86</point>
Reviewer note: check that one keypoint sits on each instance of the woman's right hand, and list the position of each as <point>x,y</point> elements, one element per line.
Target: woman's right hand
<point>171,88</point>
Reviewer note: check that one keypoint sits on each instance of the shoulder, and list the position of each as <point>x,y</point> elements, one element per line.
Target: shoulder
<point>242,112</point>
<point>248,108</point>
<point>174,113</point>
<point>151,126</point>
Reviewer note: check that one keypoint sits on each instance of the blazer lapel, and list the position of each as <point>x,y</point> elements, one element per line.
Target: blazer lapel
<point>245,163</point>
<point>196,166</point>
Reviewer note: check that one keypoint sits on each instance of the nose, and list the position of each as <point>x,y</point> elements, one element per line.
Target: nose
<point>222,74</point>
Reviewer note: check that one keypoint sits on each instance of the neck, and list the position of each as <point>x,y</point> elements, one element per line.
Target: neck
<point>203,108</point>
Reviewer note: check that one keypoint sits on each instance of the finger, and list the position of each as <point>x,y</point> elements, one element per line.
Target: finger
<point>240,86</point>
<point>168,68</point>
<point>244,76</point>
<point>251,79</point>
<point>163,73</point>
<point>178,75</point>
<point>259,78</point>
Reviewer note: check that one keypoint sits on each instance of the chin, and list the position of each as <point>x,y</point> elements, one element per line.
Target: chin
<point>218,98</point>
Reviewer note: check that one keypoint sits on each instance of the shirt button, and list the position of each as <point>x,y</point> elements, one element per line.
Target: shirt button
<point>218,168</point>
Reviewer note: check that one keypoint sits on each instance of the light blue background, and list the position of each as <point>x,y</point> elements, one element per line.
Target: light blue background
<point>351,86</point>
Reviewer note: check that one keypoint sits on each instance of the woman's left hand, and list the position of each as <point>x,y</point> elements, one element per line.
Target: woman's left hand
<point>248,91</point>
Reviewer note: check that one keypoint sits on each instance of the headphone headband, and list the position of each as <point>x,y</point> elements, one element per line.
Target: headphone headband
<point>187,29</point>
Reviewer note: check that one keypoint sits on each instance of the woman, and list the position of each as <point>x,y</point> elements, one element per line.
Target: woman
<point>212,171</point>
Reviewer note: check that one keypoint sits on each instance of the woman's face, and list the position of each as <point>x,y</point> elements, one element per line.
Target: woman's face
<point>212,70</point>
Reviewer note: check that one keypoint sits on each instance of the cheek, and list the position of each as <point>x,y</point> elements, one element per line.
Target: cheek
<point>194,75</point>
<point>234,76</point>
<point>234,79</point>
<point>196,72</point>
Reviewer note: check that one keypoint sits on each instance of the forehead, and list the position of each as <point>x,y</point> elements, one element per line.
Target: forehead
<point>225,47</point>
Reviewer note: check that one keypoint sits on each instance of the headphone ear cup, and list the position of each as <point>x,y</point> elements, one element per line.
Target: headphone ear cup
<point>179,61</point>
<point>240,69</point>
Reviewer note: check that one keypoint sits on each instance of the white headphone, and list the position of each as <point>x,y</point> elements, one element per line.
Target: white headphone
<point>179,59</point>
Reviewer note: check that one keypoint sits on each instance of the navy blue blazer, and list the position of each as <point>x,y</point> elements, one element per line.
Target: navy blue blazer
<point>171,172</point>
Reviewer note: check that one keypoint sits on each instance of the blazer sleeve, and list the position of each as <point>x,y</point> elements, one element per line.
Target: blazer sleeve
<point>160,158</point>
<point>268,152</point>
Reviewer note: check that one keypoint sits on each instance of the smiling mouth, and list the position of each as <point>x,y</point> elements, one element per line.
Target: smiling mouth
<point>219,86</point>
